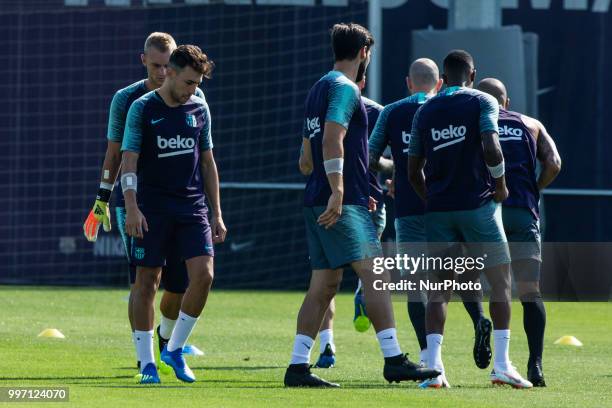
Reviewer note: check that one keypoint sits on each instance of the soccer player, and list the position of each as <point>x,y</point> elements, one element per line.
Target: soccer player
<point>167,165</point>
<point>157,49</point>
<point>456,165</point>
<point>327,358</point>
<point>339,229</point>
<point>525,141</point>
<point>393,128</point>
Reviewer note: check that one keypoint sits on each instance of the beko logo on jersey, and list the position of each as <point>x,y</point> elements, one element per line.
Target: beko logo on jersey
<point>185,143</point>
<point>508,131</point>
<point>313,125</point>
<point>406,140</point>
<point>454,134</point>
<point>451,132</point>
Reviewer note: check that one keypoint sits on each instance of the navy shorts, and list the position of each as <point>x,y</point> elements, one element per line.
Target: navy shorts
<point>174,276</point>
<point>188,235</point>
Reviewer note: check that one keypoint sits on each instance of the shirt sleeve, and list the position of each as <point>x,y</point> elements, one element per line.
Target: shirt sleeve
<point>343,100</point>
<point>132,137</point>
<point>416,147</point>
<point>199,93</point>
<point>489,114</point>
<point>379,139</point>
<point>116,117</point>
<point>206,134</point>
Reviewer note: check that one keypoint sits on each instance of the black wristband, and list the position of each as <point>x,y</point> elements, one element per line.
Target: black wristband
<point>103,195</point>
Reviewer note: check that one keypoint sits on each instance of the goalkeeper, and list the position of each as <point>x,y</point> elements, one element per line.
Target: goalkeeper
<point>157,50</point>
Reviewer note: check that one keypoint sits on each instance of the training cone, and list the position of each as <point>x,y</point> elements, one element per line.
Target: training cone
<point>569,341</point>
<point>191,350</point>
<point>53,333</point>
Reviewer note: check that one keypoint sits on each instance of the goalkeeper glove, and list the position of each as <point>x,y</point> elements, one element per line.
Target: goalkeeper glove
<point>99,214</point>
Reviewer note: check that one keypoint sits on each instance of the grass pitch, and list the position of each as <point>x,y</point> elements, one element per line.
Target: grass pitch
<point>247,339</point>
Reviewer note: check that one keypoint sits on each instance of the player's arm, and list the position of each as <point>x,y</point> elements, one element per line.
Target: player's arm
<point>211,188</point>
<point>548,156</point>
<point>416,160</point>
<point>100,213</point>
<point>493,155</point>
<point>377,143</point>
<point>210,176</point>
<point>343,100</point>
<point>305,161</point>
<point>135,222</point>
<point>333,160</point>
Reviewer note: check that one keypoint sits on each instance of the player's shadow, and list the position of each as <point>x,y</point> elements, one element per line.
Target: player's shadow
<point>237,368</point>
<point>110,377</point>
<point>221,368</point>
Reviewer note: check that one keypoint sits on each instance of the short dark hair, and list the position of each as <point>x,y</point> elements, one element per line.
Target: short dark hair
<point>191,55</point>
<point>348,39</point>
<point>458,64</point>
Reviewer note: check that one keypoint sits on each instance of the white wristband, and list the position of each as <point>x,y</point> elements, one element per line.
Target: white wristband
<point>497,171</point>
<point>334,165</point>
<point>106,186</point>
<point>129,181</point>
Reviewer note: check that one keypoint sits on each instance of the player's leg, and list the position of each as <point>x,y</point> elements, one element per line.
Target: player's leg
<point>143,293</point>
<point>127,246</point>
<point>380,310</point>
<point>323,285</point>
<point>483,327</point>
<point>534,320</point>
<point>194,240</point>
<point>355,222</point>
<point>322,289</point>
<point>484,232</point>
<point>148,254</point>
<point>411,240</point>
<point>169,306</point>
<point>361,322</point>
<point>442,236</point>
<point>472,302</point>
<point>175,280</point>
<point>327,348</point>
<point>523,232</point>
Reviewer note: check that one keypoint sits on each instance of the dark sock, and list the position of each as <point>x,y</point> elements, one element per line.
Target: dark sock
<point>395,360</point>
<point>299,368</point>
<point>416,312</point>
<point>475,311</point>
<point>534,322</point>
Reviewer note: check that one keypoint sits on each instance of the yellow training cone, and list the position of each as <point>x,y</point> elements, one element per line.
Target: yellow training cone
<point>54,333</point>
<point>569,341</point>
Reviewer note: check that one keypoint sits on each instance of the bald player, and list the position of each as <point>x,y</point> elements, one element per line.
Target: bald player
<point>525,142</point>
<point>393,129</point>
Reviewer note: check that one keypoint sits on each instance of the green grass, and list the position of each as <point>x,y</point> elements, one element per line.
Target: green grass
<point>247,338</point>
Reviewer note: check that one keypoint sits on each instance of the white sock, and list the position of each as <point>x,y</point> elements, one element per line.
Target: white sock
<point>301,349</point>
<point>423,357</point>
<point>182,331</point>
<point>387,339</point>
<point>359,286</point>
<point>134,341</point>
<point>326,337</point>
<point>501,339</point>
<point>434,352</point>
<point>144,347</point>
<point>165,327</point>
